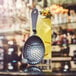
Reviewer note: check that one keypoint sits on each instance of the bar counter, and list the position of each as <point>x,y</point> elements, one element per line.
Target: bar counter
<point>37,74</point>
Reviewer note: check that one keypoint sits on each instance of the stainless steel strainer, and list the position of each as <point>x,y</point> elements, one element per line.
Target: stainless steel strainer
<point>34,47</point>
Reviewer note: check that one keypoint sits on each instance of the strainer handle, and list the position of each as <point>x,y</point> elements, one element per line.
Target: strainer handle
<point>34,17</point>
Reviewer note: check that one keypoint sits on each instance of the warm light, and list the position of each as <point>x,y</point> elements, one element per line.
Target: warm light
<point>66,67</point>
<point>10,50</point>
<point>65,70</point>
<point>10,42</point>
<point>1,37</point>
<point>10,66</point>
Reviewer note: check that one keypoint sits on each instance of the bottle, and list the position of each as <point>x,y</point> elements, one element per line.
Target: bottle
<point>65,51</point>
<point>23,66</point>
<point>73,39</point>
<point>1,65</point>
<point>14,61</point>
<point>54,35</point>
<point>45,3</point>
<point>65,66</point>
<point>69,37</point>
<point>10,67</point>
<point>64,40</point>
<point>1,53</point>
<point>74,57</point>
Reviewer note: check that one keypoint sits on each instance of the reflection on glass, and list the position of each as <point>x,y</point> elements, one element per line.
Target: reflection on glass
<point>33,69</point>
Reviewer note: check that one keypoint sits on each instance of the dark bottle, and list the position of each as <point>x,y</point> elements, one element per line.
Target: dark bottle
<point>74,57</point>
<point>13,56</point>
<point>39,0</point>
<point>73,40</point>
<point>1,53</point>
<point>23,66</point>
<point>6,59</point>
<point>14,61</point>
<point>1,65</point>
<point>65,66</point>
<point>54,35</point>
<point>45,3</point>
<point>65,51</point>
<point>64,40</point>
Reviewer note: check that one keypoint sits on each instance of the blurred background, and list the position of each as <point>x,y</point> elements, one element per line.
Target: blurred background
<point>58,24</point>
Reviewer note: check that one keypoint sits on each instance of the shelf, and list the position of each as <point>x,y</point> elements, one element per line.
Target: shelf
<point>44,65</point>
<point>64,23</point>
<point>25,74</point>
<point>61,58</point>
<point>13,73</point>
<point>43,74</point>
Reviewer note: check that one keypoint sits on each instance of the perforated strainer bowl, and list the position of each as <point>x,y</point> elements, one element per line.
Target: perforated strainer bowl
<point>34,47</point>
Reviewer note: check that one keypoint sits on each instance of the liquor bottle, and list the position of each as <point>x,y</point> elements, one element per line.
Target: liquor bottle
<point>1,65</point>
<point>5,60</point>
<point>56,66</point>
<point>1,53</point>
<point>65,66</point>
<point>64,40</point>
<point>54,35</point>
<point>65,51</point>
<point>74,57</point>
<point>23,66</point>
<point>45,3</point>
<point>10,67</point>
<point>14,61</point>
<point>73,39</point>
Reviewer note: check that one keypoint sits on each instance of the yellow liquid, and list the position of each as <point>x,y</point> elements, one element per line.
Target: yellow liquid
<point>44,32</point>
